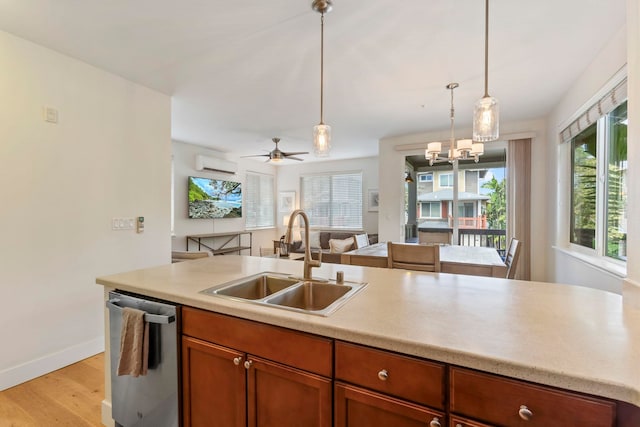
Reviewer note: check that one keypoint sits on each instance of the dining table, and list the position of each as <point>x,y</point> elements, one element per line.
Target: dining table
<point>455,259</point>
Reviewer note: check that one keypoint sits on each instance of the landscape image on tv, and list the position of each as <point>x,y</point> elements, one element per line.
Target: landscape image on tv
<point>214,198</point>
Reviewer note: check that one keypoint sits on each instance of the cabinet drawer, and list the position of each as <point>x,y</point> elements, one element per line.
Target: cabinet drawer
<point>402,376</point>
<point>298,349</point>
<point>463,422</point>
<point>355,406</point>
<point>505,402</point>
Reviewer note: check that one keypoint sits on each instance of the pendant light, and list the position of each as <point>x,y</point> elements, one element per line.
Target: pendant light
<point>321,131</point>
<point>486,112</point>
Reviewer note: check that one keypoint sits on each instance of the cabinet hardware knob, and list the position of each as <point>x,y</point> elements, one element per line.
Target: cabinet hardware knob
<point>237,360</point>
<point>435,422</point>
<point>247,364</point>
<point>525,413</point>
<point>459,425</point>
<point>383,375</point>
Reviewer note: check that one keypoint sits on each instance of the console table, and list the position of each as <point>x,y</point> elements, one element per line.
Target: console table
<point>222,243</point>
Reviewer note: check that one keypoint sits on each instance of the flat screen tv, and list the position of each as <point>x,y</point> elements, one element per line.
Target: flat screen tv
<point>214,198</point>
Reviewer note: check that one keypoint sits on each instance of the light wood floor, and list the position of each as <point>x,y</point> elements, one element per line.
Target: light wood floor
<point>71,396</point>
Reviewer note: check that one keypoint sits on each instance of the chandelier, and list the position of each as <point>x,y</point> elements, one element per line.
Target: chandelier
<point>466,149</point>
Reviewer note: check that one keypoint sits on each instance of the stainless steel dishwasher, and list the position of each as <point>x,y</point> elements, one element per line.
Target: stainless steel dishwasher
<point>151,399</point>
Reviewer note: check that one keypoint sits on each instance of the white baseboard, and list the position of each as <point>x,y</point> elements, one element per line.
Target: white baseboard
<point>107,419</point>
<point>43,365</point>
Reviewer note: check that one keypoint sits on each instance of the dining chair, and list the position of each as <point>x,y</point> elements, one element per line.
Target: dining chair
<point>360,240</point>
<point>413,257</point>
<point>511,260</point>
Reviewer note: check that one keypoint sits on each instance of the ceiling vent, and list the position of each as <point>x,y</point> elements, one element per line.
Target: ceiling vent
<point>212,164</point>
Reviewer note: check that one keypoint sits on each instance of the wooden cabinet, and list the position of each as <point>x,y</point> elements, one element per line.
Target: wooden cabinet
<point>282,396</point>
<point>213,386</point>
<point>242,373</point>
<point>386,388</point>
<point>506,402</point>
<point>237,372</point>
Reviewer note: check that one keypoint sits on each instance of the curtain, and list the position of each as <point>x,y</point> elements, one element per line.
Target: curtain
<point>519,202</point>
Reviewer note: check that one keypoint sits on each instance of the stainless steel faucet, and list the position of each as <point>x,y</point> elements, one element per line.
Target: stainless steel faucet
<point>309,263</point>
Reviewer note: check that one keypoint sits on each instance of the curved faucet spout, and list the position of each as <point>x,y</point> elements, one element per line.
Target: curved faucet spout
<point>309,263</point>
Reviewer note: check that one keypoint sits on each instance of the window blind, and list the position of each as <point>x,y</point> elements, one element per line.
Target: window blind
<point>259,200</point>
<point>604,105</point>
<point>333,200</point>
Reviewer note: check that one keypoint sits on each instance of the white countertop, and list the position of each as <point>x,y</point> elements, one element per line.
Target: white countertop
<point>567,336</point>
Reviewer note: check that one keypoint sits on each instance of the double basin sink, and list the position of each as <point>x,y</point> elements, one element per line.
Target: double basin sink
<point>319,297</point>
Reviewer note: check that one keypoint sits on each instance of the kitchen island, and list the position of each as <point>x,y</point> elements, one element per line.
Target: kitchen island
<point>573,338</point>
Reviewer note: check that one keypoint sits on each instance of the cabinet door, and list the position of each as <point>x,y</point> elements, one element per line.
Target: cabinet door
<point>213,385</point>
<point>280,396</point>
<point>357,407</point>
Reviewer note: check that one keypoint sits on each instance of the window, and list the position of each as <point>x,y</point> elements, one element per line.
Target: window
<point>259,200</point>
<point>446,180</point>
<point>425,177</point>
<point>430,210</point>
<point>333,200</point>
<point>599,185</point>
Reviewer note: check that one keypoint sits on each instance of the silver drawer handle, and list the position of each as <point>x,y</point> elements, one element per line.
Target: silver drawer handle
<point>247,364</point>
<point>383,375</point>
<point>237,360</point>
<point>435,422</point>
<point>525,413</point>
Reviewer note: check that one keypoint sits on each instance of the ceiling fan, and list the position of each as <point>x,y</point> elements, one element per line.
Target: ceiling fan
<point>276,155</point>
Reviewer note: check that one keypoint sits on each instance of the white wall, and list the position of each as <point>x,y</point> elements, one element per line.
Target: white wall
<point>60,186</point>
<point>289,180</point>
<point>394,150</point>
<point>184,166</point>
<point>631,288</point>
<point>564,267</point>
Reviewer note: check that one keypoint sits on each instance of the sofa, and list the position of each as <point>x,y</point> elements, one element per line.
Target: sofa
<point>331,243</point>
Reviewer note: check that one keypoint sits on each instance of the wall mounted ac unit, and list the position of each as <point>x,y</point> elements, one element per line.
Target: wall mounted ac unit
<point>215,165</point>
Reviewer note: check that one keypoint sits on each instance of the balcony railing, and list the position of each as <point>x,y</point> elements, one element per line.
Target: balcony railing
<point>470,222</point>
<point>484,237</point>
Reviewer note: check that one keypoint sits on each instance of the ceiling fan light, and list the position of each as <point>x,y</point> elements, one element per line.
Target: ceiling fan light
<point>321,140</point>
<point>486,117</point>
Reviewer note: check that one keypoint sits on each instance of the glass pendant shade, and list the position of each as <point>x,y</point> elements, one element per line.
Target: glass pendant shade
<point>486,120</point>
<point>321,140</point>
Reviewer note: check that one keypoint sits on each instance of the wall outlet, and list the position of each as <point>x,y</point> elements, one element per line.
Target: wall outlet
<point>50,114</point>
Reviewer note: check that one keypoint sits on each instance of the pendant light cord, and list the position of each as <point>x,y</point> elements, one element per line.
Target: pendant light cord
<point>486,50</point>
<point>322,69</point>
<point>452,116</point>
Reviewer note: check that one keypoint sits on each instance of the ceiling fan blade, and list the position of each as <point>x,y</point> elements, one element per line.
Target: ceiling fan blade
<point>295,158</point>
<point>294,153</point>
<point>259,155</point>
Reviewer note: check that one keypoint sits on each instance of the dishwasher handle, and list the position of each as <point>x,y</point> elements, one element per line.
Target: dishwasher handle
<point>148,317</point>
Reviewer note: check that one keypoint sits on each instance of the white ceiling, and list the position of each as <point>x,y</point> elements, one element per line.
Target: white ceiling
<point>241,72</point>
